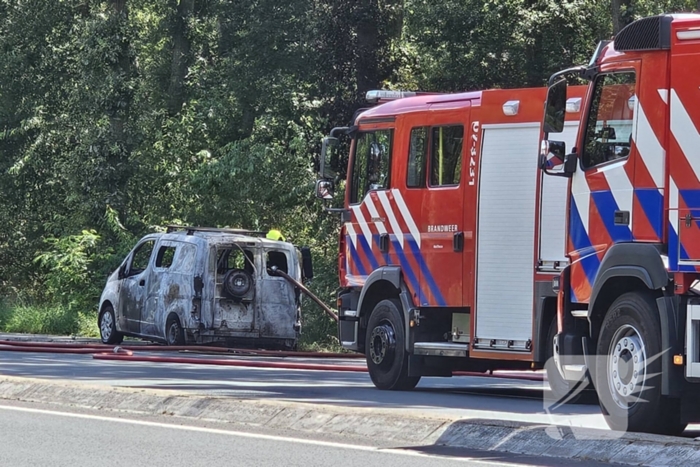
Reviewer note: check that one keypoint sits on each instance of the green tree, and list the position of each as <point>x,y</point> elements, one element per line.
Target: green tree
<point>119,116</point>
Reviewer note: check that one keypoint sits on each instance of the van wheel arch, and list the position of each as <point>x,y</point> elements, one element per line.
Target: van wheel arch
<point>174,332</point>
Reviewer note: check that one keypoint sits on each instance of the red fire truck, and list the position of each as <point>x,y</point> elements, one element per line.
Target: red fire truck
<point>451,237</point>
<point>629,300</point>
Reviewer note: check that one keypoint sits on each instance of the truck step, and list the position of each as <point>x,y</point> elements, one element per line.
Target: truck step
<point>441,349</point>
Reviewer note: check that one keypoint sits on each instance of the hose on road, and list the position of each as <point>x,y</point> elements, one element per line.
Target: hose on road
<point>231,362</point>
<point>181,348</point>
<point>126,353</point>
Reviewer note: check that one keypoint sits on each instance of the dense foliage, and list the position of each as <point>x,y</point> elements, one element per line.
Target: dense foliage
<point>119,116</point>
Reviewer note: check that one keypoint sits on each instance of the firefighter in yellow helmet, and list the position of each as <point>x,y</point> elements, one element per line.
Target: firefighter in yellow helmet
<point>275,234</point>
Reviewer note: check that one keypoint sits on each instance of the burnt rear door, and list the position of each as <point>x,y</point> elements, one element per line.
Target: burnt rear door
<point>278,302</point>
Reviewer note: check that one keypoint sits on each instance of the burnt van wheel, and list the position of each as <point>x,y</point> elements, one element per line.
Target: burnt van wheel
<point>174,334</point>
<point>628,369</point>
<point>387,360</point>
<point>238,283</point>
<point>108,327</point>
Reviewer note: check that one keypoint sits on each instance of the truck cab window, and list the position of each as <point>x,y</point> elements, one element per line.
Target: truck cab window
<point>417,150</point>
<point>446,155</point>
<point>610,120</point>
<point>371,164</point>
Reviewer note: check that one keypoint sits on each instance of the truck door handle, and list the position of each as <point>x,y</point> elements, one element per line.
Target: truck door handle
<point>458,242</point>
<point>384,243</point>
<point>142,282</point>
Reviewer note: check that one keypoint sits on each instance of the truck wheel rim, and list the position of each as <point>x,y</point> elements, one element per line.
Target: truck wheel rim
<point>106,325</point>
<point>627,367</point>
<point>382,344</point>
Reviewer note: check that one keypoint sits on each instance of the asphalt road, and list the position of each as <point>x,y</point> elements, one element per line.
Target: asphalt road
<point>464,397</point>
<point>33,435</point>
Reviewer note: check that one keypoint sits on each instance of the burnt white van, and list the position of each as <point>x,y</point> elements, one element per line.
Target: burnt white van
<point>203,285</point>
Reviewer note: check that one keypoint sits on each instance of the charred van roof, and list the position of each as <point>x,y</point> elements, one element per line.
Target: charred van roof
<point>219,238</point>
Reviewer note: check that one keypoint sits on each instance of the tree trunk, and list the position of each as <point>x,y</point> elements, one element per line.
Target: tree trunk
<point>621,14</point>
<point>181,56</point>
<point>366,60</point>
<point>119,6</point>
<point>118,112</point>
<point>122,68</point>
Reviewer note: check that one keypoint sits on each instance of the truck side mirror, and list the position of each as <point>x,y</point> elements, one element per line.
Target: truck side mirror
<point>328,164</point>
<point>555,108</point>
<point>555,161</point>
<point>607,133</point>
<point>325,189</point>
<point>307,267</point>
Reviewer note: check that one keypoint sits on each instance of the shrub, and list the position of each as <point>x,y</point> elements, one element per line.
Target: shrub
<point>38,319</point>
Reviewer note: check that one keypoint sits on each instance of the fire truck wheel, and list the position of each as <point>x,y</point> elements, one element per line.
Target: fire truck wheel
<point>387,360</point>
<point>108,327</point>
<point>628,368</point>
<point>559,387</point>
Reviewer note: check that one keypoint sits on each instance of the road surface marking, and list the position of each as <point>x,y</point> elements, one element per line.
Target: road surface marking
<point>242,434</point>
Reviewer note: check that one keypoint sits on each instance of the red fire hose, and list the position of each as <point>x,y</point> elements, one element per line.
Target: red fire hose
<point>125,353</point>
<point>71,350</point>
<point>231,362</point>
<point>180,348</point>
<point>102,352</point>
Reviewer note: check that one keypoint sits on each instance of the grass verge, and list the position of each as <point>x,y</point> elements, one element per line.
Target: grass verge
<point>318,331</point>
<point>46,319</point>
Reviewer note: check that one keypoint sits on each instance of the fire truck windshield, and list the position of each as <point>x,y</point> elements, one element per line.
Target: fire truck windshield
<point>371,163</point>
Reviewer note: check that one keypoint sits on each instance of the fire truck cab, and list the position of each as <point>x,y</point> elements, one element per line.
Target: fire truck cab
<point>451,237</point>
<point>629,300</point>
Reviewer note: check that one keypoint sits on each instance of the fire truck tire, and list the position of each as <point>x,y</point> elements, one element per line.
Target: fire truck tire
<point>108,327</point>
<point>627,369</point>
<point>387,359</point>
<point>559,387</point>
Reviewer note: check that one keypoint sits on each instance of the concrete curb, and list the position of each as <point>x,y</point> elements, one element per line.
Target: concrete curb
<point>572,443</point>
<point>406,430</point>
<point>360,422</point>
